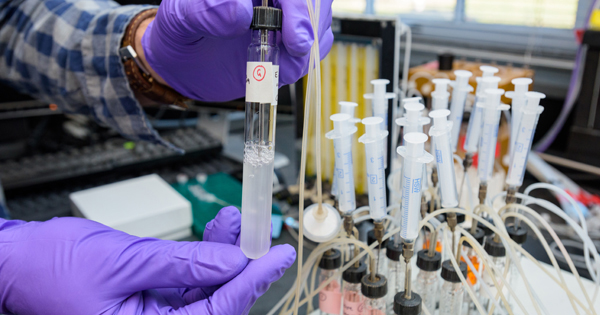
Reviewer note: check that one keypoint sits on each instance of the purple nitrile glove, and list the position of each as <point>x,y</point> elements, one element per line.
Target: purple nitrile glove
<point>199,47</point>
<point>77,266</point>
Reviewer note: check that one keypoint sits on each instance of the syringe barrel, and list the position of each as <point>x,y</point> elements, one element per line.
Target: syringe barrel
<point>457,109</point>
<point>445,167</point>
<point>523,141</point>
<point>376,179</point>
<point>412,172</point>
<point>473,129</point>
<point>518,103</point>
<point>487,144</point>
<point>259,146</point>
<point>344,173</point>
<point>439,100</point>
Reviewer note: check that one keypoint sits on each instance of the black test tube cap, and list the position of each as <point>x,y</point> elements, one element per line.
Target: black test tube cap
<point>426,263</point>
<point>517,234</point>
<point>449,273</point>
<point>479,236</point>
<point>355,274</point>
<point>372,239</point>
<point>493,248</point>
<point>332,259</point>
<point>405,306</point>
<point>393,251</point>
<point>376,289</point>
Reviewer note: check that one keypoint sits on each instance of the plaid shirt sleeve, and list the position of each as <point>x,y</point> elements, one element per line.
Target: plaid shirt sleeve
<point>66,52</point>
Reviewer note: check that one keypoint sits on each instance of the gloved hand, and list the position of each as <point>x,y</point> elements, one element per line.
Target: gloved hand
<point>77,266</point>
<point>199,47</point>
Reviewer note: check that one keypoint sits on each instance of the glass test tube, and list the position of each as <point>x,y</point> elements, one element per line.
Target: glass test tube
<point>330,298</point>
<point>353,297</point>
<point>395,273</point>
<point>427,285</point>
<point>380,254</point>
<point>259,142</point>
<point>497,254</point>
<point>451,296</point>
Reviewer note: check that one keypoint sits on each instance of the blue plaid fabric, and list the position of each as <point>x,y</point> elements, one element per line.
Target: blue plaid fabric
<point>66,52</point>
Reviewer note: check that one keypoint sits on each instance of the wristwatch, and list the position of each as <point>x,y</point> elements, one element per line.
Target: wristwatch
<point>140,79</point>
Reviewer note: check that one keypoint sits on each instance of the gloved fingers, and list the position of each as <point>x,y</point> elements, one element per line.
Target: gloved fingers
<point>153,264</point>
<point>238,295</point>
<point>296,30</point>
<point>294,68</point>
<point>225,227</point>
<point>196,294</point>
<point>223,19</point>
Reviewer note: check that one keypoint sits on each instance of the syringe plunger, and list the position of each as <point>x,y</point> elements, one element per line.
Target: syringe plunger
<point>489,133</point>
<point>342,145</point>
<point>440,134</point>
<point>440,95</point>
<point>457,108</point>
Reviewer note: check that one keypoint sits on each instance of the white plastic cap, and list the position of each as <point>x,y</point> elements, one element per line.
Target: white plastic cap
<point>440,118</point>
<point>462,78</point>
<point>493,97</point>
<point>533,99</point>
<point>441,85</point>
<point>488,71</point>
<point>521,84</point>
<point>339,125</point>
<point>348,108</point>
<point>413,111</point>
<point>415,143</point>
<point>379,87</point>
<point>372,126</point>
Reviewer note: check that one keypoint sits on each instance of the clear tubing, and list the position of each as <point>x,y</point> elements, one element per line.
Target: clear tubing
<point>342,144</point>
<point>353,299</point>
<point>427,286</point>
<point>395,276</point>
<point>374,143</point>
<point>499,263</point>
<point>330,297</point>
<point>517,105</point>
<point>524,138</point>
<point>415,157</point>
<point>440,95</point>
<point>489,134</point>
<point>451,298</point>
<point>259,151</point>
<point>457,107</point>
<point>375,306</point>
<point>474,127</point>
<point>440,134</point>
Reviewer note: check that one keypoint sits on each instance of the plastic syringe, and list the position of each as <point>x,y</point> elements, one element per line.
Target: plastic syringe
<point>413,122</point>
<point>379,103</point>
<point>518,103</point>
<point>345,108</point>
<point>457,107</point>
<point>439,97</point>
<point>374,142</point>
<point>440,134</point>
<point>474,127</point>
<point>489,133</point>
<point>529,119</point>
<point>342,145</point>
<point>415,157</point>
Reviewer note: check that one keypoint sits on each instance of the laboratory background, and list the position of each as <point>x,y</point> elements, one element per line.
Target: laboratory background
<point>443,158</point>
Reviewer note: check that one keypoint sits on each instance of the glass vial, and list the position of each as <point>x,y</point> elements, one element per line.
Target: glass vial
<point>353,303</point>
<point>374,288</point>
<point>395,272</point>
<point>330,298</point>
<point>519,235</point>
<point>452,292</point>
<point>380,253</point>
<point>497,253</point>
<point>427,285</point>
<point>262,78</point>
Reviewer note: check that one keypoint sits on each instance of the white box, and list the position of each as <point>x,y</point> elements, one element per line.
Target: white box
<point>146,206</point>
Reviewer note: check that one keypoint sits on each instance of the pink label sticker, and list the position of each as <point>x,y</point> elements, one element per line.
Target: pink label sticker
<point>330,298</point>
<point>353,308</point>
<point>374,312</point>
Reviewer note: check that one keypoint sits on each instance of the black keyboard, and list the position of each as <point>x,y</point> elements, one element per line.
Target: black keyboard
<point>114,155</point>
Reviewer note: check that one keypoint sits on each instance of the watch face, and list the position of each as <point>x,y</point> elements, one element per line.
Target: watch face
<point>127,52</point>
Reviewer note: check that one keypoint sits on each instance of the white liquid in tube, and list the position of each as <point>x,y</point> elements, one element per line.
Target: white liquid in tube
<point>440,134</point>
<point>524,138</point>
<point>374,143</point>
<point>414,156</point>
<point>342,144</point>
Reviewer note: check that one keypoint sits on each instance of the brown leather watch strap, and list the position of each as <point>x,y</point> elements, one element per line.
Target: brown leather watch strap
<point>140,81</point>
